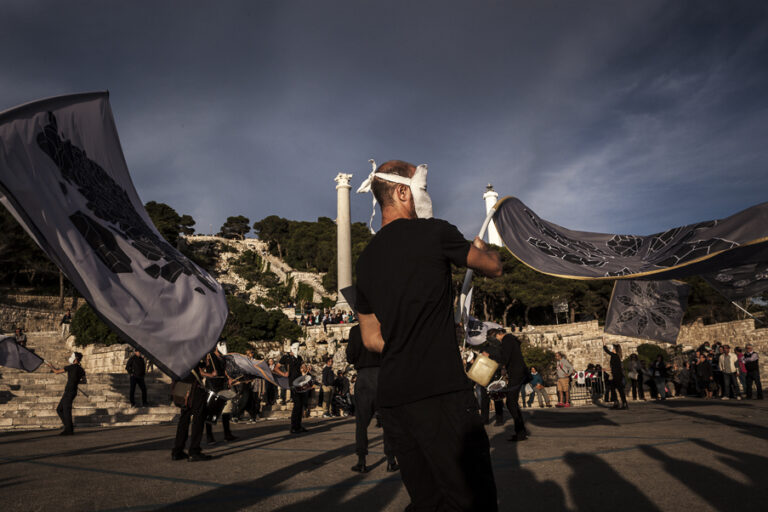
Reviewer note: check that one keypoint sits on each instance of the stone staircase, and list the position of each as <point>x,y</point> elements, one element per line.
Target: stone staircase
<point>28,400</point>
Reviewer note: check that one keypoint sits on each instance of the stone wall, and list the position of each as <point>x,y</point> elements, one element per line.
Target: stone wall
<point>34,313</point>
<point>102,359</point>
<point>30,319</point>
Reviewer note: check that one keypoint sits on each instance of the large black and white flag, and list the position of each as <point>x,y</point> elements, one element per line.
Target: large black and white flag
<point>64,178</point>
<point>647,309</point>
<point>696,249</point>
<point>13,355</point>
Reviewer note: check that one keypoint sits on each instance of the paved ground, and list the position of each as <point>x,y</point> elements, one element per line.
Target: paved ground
<point>680,455</point>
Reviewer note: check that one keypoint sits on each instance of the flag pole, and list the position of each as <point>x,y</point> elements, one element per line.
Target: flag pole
<point>747,312</point>
<point>468,277</point>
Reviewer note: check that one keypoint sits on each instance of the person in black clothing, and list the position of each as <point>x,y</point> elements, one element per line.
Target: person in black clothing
<point>617,377</point>
<point>517,376</point>
<point>706,376</point>
<point>491,348</point>
<point>136,368</point>
<point>75,375</point>
<point>216,379</point>
<point>367,364</point>
<point>290,366</point>
<point>20,337</point>
<point>327,386</point>
<point>405,305</point>
<point>341,386</point>
<point>194,410</point>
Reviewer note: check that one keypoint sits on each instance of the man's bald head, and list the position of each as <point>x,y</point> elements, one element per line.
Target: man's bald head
<point>383,189</point>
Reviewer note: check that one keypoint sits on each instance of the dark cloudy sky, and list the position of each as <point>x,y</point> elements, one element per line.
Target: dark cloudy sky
<point>614,116</point>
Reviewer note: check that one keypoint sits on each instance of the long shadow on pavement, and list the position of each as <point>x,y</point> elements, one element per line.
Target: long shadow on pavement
<point>244,494</point>
<point>718,489</point>
<point>595,485</point>
<point>518,488</point>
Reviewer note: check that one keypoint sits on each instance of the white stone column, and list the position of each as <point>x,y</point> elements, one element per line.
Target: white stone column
<point>343,238</point>
<point>491,198</point>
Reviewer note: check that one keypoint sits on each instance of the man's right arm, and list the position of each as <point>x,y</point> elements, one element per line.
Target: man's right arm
<point>484,259</point>
<point>370,329</point>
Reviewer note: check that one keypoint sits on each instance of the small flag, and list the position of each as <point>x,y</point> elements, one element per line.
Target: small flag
<point>477,330</point>
<point>13,355</point>
<point>238,365</point>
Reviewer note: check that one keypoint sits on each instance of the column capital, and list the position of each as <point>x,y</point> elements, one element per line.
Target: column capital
<point>343,180</point>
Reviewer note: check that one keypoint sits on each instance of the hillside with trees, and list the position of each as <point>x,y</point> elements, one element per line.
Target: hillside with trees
<point>521,296</point>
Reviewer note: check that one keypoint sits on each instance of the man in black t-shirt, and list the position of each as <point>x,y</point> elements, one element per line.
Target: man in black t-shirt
<point>75,375</point>
<point>405,300</point>
<point>290,366</point>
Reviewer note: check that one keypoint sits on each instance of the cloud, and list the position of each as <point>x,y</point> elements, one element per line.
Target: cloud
<point>614,117</point>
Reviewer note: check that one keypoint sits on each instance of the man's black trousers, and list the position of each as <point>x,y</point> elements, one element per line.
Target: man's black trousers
<point>64,410</point>
<point>513,395</point>
<point>142,386</point>
<point>299,403</point>
<point>365,409</point>
<point>195,410</point>
<point>443,452</point>
<point>754,376</point>
<point>485,405</point>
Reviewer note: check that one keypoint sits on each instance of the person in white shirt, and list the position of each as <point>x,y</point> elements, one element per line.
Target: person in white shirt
<point>727,365</point>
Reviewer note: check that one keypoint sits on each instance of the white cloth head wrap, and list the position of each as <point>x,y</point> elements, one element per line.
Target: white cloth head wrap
<point>417,183</point>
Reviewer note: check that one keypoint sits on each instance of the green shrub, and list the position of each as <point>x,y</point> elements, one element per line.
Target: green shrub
<point>89,329</point>
<point>542,359</point>
<point>648,352</point>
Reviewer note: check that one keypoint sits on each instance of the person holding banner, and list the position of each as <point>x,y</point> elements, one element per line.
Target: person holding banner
<point>405,307</point>
<point>75,375</point>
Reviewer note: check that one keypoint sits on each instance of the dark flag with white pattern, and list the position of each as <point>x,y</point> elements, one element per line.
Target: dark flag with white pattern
<point>13,355</point>
<point>64,178</point>
<point>696,249</point>
<point>647,309</point>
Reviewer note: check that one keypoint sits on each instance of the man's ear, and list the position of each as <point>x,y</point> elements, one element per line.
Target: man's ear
<point>402,192</point>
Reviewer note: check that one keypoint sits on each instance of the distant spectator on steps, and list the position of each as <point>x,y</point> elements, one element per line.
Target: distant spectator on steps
<point>20,337</point>
<point>65,321</point>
